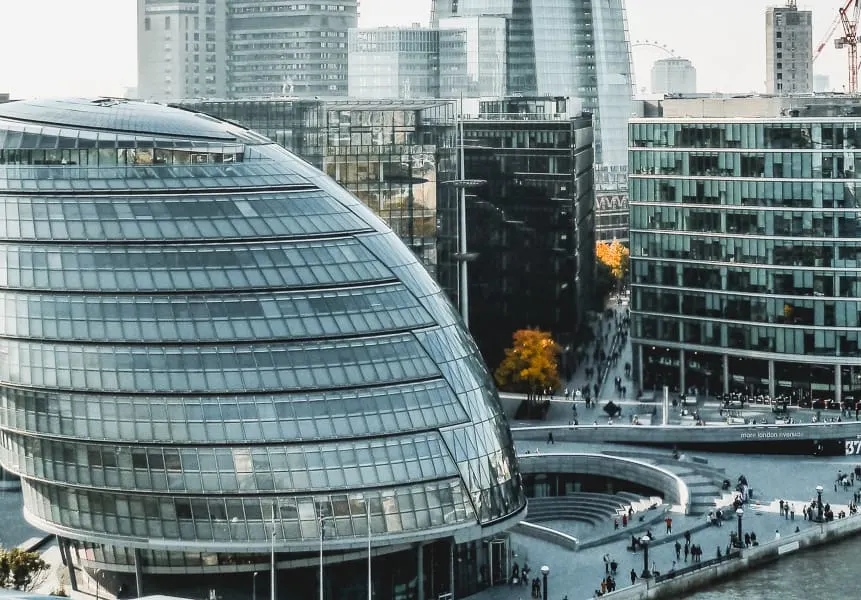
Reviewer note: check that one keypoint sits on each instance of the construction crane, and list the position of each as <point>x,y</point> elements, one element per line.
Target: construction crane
<point>849,40</point>
<point>827,37</point>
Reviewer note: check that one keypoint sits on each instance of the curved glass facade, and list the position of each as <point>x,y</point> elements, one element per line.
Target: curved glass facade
<point>203,336</point>
<point>745,253</point>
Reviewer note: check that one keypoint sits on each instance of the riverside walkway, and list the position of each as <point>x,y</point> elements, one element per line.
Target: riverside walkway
<point>577,574</point>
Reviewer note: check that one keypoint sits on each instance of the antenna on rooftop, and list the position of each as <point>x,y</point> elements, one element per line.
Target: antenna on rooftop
<point>792,4</point>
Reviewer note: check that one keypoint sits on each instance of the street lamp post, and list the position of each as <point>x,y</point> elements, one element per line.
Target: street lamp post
<point>739,513</point>
<point>545,571</point>
<point>819,503</point>
<point>254,586</point>
<point>644,542</point>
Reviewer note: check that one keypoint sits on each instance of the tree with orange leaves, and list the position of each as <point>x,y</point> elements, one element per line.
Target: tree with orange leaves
<point>615,256</point>
<point>530,366</point>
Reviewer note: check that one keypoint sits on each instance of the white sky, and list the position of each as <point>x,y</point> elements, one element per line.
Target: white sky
<point>88,47</point>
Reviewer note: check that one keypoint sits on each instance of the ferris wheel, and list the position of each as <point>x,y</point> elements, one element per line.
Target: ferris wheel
<point>670,53</point>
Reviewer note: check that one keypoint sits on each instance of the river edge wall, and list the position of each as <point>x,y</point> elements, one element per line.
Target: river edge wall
<point>751,558</point>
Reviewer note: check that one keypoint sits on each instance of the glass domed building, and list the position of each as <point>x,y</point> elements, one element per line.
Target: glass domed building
<point>206,340</point>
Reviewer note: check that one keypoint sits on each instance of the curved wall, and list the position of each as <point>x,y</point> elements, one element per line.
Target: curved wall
<point>203,335</point>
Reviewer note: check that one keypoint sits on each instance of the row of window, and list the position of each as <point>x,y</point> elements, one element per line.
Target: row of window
<point>416,508</point>
<point>351,465</point>
<point>743,336</point>
<point>769,309</point>
<point>796,135</point>
<point>339,414</point>
<point>201,318</point>
<point>772,252</point>
<point>749,280</point>
<point>173,268</point>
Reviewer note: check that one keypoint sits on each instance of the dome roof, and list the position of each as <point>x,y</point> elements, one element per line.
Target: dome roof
<point>117,115</point>
<point>207,331</point>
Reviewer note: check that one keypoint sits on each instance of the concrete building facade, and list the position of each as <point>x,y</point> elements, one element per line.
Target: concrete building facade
<point>745,247</point>
<point>289,47</point>
<point>242,48</point>
<point>788,50</point>
<point>182,49</point>
<point>674,76</point>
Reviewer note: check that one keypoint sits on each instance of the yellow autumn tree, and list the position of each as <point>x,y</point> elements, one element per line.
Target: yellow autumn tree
<point>531,364</point>
<point>615,256</point>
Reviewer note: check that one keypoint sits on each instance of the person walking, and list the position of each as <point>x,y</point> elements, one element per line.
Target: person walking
<point>633,577</point>
<point>678,550</point>
<point>550,438</point>
<point>669,522</point>
<point>687,550</point>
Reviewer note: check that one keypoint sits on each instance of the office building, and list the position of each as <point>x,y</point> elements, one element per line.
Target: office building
<point>745,246</point>
<point>243,48</point>
<point>575,48</point>
<point>460,58</point>
<point>182,49</point>
<point>289,47</point>
<point>391,62</point>
<point>213,342</point>
<point>530,225</point>
<point>472,57</point>
<point>788,50</point>
<point>674,76</point>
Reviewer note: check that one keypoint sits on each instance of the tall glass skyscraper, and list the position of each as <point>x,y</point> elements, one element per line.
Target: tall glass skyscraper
<point>575,48</point>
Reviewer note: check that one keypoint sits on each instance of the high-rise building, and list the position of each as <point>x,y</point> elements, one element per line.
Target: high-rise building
<point>572,48</point>
<point>674,76</point>
<point>393,62</point>
<point>461,58</point>
<point>472,57</point>
<point>222,360</point>
<point>289,47</point>
<point>242,48</point>
<point>182,49</point>
<point>788,50</point>
<point>746,246</point>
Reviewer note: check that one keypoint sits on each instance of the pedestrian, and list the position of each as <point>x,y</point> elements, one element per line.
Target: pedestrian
<point>747,540</point>
<point>624,519</point>
<point>669,522</point>
<point>550,438</point>
<point>792,512</point>
<point>615,524</point>
<point>776,534</point>
<point>633,577</point>
<point>781,507</point>
<point>688,537</point>
<point>687,550</point>
<point>678,550</point>
<point>606,564</point>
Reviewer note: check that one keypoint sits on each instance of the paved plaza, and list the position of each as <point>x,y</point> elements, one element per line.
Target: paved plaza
<point>577,574</point>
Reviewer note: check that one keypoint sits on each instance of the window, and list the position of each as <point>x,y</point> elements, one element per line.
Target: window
<point>146,24</point>
<point>167,22</point>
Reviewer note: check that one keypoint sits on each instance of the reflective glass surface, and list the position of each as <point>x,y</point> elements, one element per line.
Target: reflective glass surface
<point>745,237</point>
<point>195,324</point>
